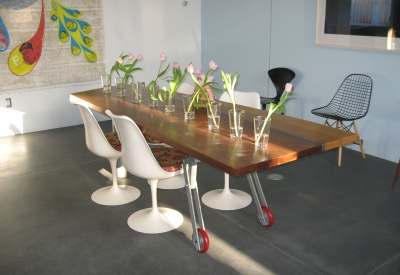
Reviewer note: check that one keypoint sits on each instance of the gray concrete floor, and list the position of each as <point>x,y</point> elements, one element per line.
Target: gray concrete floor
<point>328,219</point>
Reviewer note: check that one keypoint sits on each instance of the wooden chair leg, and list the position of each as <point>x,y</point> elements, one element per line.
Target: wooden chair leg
<point>359,139</point>
<point>396,176</point>
<point>339,126</point>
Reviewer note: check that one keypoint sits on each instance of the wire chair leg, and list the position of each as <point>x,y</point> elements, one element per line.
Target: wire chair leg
<point>359,139</point>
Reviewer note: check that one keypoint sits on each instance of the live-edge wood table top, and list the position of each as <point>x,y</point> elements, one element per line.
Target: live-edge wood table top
<point>290,138</point>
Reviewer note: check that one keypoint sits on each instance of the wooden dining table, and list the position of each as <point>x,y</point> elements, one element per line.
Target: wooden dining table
<point>290,139</point>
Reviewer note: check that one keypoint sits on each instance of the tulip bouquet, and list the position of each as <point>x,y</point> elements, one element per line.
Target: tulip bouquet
<point>169,93</point>
<point>204,84</point>
<point>205,88</point>
<point>273,107</point>
<point>122,65</point>
<point>152,85</point>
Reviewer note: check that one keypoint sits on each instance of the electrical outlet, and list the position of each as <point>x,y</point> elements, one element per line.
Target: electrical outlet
<point>8,102</point>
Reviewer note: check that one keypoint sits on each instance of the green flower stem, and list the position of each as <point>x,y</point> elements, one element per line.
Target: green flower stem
<point>229,85</point>
<point>199,92</point>
<point>211,110</point>
<point>271,110</point>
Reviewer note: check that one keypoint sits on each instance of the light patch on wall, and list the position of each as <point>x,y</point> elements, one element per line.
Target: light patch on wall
<point>11,122</point>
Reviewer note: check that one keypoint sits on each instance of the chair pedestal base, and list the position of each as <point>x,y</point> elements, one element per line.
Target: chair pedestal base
<point>116,195</point>
<point>155,221</point>
<point>172,183</point>
<point>226,199</point>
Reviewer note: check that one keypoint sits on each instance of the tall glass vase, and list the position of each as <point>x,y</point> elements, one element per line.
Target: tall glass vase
<point>120,83</point>
<point>153,96</point>
<point>214,115</point>
<point>262,127</point>
<point>169,99</point>
<point>137,89</point>
<point>236,123</point>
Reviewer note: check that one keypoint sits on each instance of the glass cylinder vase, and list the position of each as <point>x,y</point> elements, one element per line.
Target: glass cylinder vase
<point>120,83</point>
<point>236,123</point>
<point>106,83</point>
<point>262,127</point>
<point>153,95</point>
<point>214,115</point>
<point>137,90</point>
<point>169,99</point>
<point>188,106</point>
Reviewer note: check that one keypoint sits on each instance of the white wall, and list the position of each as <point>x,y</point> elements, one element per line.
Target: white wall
<point>148,27</point>
<point>152,27</point>
<point>319,70</point>
<point>235,34</point>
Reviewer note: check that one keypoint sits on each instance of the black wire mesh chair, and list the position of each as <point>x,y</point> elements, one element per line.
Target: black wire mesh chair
<point>351,102</point>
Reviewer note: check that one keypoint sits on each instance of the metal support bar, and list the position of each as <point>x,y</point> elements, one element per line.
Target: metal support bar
<point>190,172</point>
<point>253,177</point>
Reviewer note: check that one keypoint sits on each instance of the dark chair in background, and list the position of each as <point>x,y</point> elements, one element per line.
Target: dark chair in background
<point>279,77</point>
<point>351,102</point>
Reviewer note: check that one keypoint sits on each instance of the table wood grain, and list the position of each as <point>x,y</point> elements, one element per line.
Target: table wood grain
<point>290,138</point>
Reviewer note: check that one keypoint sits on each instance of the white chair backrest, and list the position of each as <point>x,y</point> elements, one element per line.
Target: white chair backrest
<point>186,88</point>
<point>136,154</point>
<point>249,99</point>
<point>95,139</point>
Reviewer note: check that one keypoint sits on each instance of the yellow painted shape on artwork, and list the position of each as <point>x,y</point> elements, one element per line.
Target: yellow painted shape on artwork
<point>16,63</point>
<point>70,27</point>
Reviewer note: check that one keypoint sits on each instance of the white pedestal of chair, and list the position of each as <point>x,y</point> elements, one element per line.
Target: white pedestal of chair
<point>155,219</point>
<point>115,194</point>
<point>226,199</point>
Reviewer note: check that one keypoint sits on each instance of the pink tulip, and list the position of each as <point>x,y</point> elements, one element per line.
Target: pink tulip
<point>130,56</point>
<point>140,57</point>
<point>288,87</point>
<point>119,60</point>
<point>210,94</point>
<point>176,65</point>
<point>227,75</point>
<point>197,71</point>
<point>210,78</point>
<point>212,65</point>
<point>162,56</point>
<point>189,68</point>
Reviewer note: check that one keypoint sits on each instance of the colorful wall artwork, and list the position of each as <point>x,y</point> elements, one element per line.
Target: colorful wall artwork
<point>17,4</point>
<point>25,56</point>
<point>4,37</point>
<point>50,43</point>
<point>74,29</point>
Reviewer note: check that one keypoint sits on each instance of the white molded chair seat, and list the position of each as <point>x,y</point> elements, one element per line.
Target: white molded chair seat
<point>107,146</point>
<point>176,182</point>
<point>186,88</point>
<point>232,199</point>
<point>152,164</point>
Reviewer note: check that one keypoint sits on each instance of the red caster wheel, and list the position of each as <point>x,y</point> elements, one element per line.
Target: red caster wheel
<point>266,217</point>
<point>203,243</point>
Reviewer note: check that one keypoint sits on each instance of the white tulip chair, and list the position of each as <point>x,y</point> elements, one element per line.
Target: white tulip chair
<point>109,147</point>
<point>232,199</point>
<point>145,162</point>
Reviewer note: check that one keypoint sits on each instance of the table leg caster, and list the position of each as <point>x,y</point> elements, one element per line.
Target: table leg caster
<point>203,242</point>
<point>266,217</point>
